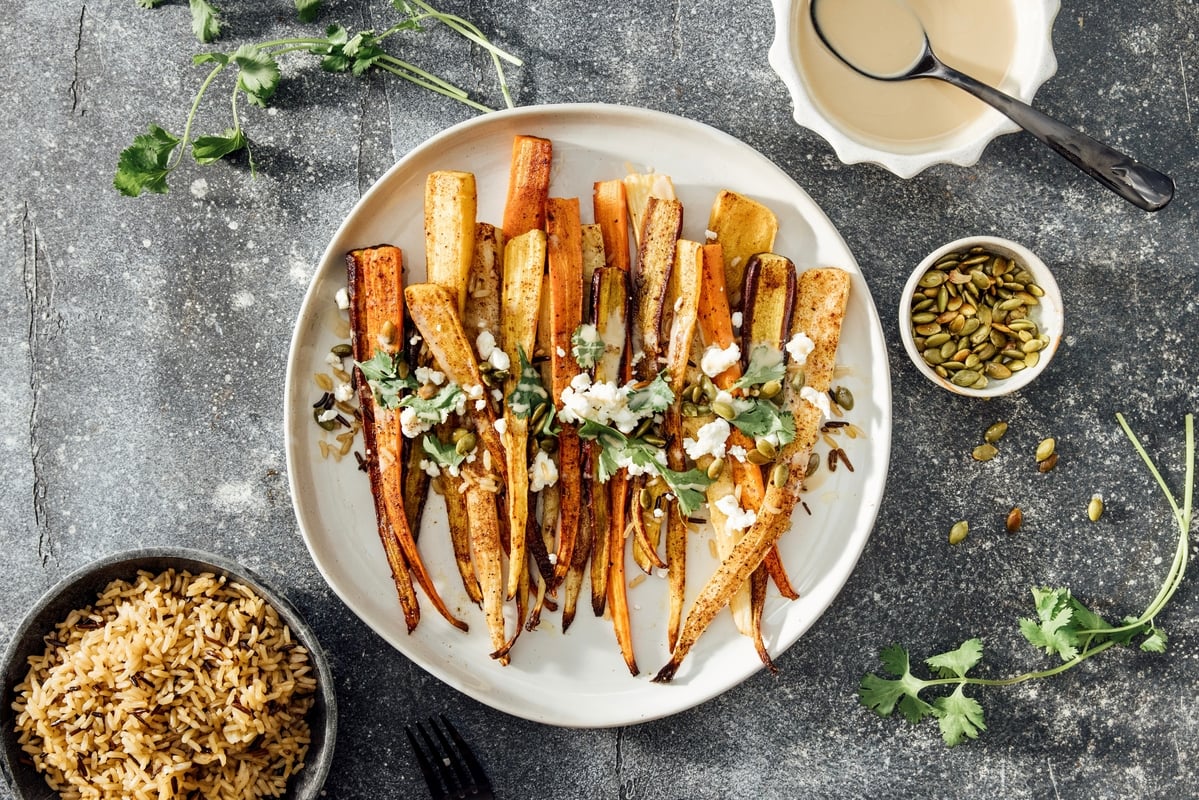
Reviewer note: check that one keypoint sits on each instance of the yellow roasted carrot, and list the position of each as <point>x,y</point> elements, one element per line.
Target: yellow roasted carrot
<point>744,228</point>
<point>528,185</point>
<point>450,207</point>
<point>655,259</point>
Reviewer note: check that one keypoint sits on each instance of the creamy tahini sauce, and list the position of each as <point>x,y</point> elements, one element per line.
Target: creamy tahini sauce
<point>976,36</point>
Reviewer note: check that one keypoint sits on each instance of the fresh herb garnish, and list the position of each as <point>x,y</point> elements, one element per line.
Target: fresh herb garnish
<point>444,455</point>
<point>586,346</point>
<point>436,409</point>
<point>382,373</point>
<point>655,397</point>
<point>618,451</point>
<point>1063,627</point>
<point>528,393</point>
<point>757,418</point>
<point>146,163</point>
<point>765,365</point>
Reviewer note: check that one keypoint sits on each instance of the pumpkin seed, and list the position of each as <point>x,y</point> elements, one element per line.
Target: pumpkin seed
<point>1045,448</point>
<point>965,377</point>
<point>724,409</point>
<point>937,339</point>
<point>985,452</point>
<point>388,332</point>
<point>843,397</point>
<point>994,433</point>
<point>466,444</point>
<point>646,498</point>
<point>342,350</point>
<point>997,371</point>
<point>959,531</point>
<point>654,440</point>
<point>779,475</point>
<point>1032,359</point>
<point>1015,518</point>
<point>327,424</point>
<point>1047,464</point>
<point>715,468</point>
<point>1095,508</point>
<point>770,389</point>
<point>932,278</point>
<point>757,458</point>
<point>924,317</point>
<point>813,465</point>
<point>766,448</point>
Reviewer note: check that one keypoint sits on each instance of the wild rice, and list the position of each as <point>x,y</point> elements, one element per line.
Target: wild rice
<point>172,686</point>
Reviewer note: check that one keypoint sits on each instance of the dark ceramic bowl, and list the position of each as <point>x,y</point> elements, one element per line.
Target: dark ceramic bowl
<point>84,586</point>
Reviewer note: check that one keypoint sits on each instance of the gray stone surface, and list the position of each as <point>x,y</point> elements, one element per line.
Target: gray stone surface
<point>146,342</point>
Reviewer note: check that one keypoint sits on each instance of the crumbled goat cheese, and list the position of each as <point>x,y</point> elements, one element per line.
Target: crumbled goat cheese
<point>818,399</point>
<point>343,392</point>
<point>343,298</point>
<point>551,557</point>
<point>602,402</point>
<point>430,468</point>
<point>710,440</point>
<point>333,360</point>
<point>738,452</point>
<point>736,318</point>
<point>480,405</point>
<point>429,375</point>
<point>485,344</point>
<point>328,416</point>
<point>710,235</point>
<point>474,391</point>
<point>415,340</point>
<point>561,352</point>
<point>800,347</point>
<point>501,426</point>
<point>715,360</point>
<point>499,359</point>
<point>543,473</point>
<point>736,517</point>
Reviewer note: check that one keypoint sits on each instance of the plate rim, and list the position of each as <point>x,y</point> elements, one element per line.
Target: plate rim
<point>550,115</point>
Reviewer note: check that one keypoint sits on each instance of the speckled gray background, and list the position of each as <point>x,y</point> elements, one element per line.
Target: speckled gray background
<point>145,343</point>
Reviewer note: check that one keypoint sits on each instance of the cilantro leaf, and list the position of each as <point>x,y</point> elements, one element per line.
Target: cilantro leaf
<point>382,373</point>
<point>765,365</point>
<point>618,451</point>
<point>1155,642</point>
<point>883,695</point>
<point>308,9</point>
<point>206,149</point>
<point>257,74</point>
<point>956,663</point>
<point>958,716</point>
<point>436,409</point>
<point>654,397</point>
<point>756,418</point>
<point>206,20</point>
<point>690,487</point>
<point>144,165</point>
<point>586,346</point>
<point>205,58</point>
<point>444,455</point>
<point>1053,630</point>
<point>528,393</point>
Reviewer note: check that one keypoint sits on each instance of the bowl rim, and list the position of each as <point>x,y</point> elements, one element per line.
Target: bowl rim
<point>1034,55</point>
<point>1051,321</point>
<point>306,784</point>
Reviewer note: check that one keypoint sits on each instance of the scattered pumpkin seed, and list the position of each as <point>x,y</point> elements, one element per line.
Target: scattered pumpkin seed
<point>772,388</point>
<point>779,475</point>
<point>1095,508</point>
<point>957,534</point>
<point>813,465</point>
<point>342,350</point>
<point>327,424</point>
<point>715,468</point>
<point>985,452</point>
<point>1047,464</point>
<point>1015,518</point>
<point>757,458</point>
<point>843,397</point>
<point>994,433</point>
<point>766,448</point>
<point>466,444</point>
<point>1045,448</point>
<point>724,409</point>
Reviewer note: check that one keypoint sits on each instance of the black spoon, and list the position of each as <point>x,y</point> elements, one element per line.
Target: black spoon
<point>1143,186</point>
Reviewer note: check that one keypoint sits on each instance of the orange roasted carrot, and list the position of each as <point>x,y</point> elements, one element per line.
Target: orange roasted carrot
<point>564,256</point>
<point>612,215</point>
<point>618,590</point>
<point>528,185</point>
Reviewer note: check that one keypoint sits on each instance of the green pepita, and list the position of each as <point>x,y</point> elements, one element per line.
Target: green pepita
<point>1095,508</point>
<point>959,531</point>
<point>995,432</point>
<point>1045,448</point>
<point>985,452</point>
<point>779,475</point>
<point>715,468</point>
<point>342,350</point>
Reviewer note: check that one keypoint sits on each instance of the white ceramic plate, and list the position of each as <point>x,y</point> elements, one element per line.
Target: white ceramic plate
<point>578,678</point>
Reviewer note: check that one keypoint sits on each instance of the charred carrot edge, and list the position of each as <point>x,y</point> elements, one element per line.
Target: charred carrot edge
<point>458,521</point>
<point>655,260</point>
<point>757,595</point>
<point>573,583</point>
<point>612,215</point>
<point>618,597</point>
<point>528,185</point>
<point>487,556</point>
<point>821,298</point>
<point>647,527</point>
<point>375,281</point>
<point>564,255</point>
<point>676,532</point>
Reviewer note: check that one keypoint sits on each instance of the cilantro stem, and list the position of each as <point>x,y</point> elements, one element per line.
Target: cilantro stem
<point>1025,676</point>
<point>191,114</point>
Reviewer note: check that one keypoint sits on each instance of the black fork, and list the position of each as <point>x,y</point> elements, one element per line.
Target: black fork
<point>452,772</point>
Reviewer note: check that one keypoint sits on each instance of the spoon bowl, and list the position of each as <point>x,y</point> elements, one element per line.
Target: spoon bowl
<point>1143,186</point>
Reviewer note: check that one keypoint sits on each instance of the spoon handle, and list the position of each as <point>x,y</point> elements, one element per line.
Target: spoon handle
<point>1143,186</point>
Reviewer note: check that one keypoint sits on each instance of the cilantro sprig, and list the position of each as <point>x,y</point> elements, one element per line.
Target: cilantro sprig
<point>144,165</point>
<point>1063,627</point>
<point>618,450</point>
<point>382,372</point>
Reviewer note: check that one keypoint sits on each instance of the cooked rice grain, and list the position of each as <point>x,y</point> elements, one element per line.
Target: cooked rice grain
<point>174,686</point>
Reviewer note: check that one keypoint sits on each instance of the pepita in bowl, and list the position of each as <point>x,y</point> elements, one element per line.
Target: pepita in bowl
<point>981,316</point>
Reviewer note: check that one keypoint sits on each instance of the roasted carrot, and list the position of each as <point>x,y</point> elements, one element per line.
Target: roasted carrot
<point>744,228</point>
<point>528,185</point>
<point>487,554</point>
<point>450,207</point>
<point>655,259</point>
<point>612,215</point>
<point>524,265</point>
<point>376,309</point>
<point>820,303</point>
<point>564,256</point>
<point>618,592</point>
<point>639,189</point>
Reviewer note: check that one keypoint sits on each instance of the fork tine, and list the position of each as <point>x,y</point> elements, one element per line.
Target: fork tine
<point>465,782</point>
<point>442,758</point>
<point>477,774</point>
<point>426,768</point>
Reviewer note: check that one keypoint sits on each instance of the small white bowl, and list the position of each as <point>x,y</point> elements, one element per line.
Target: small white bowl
<point>1031,63</point>
<point>1048,314</point>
